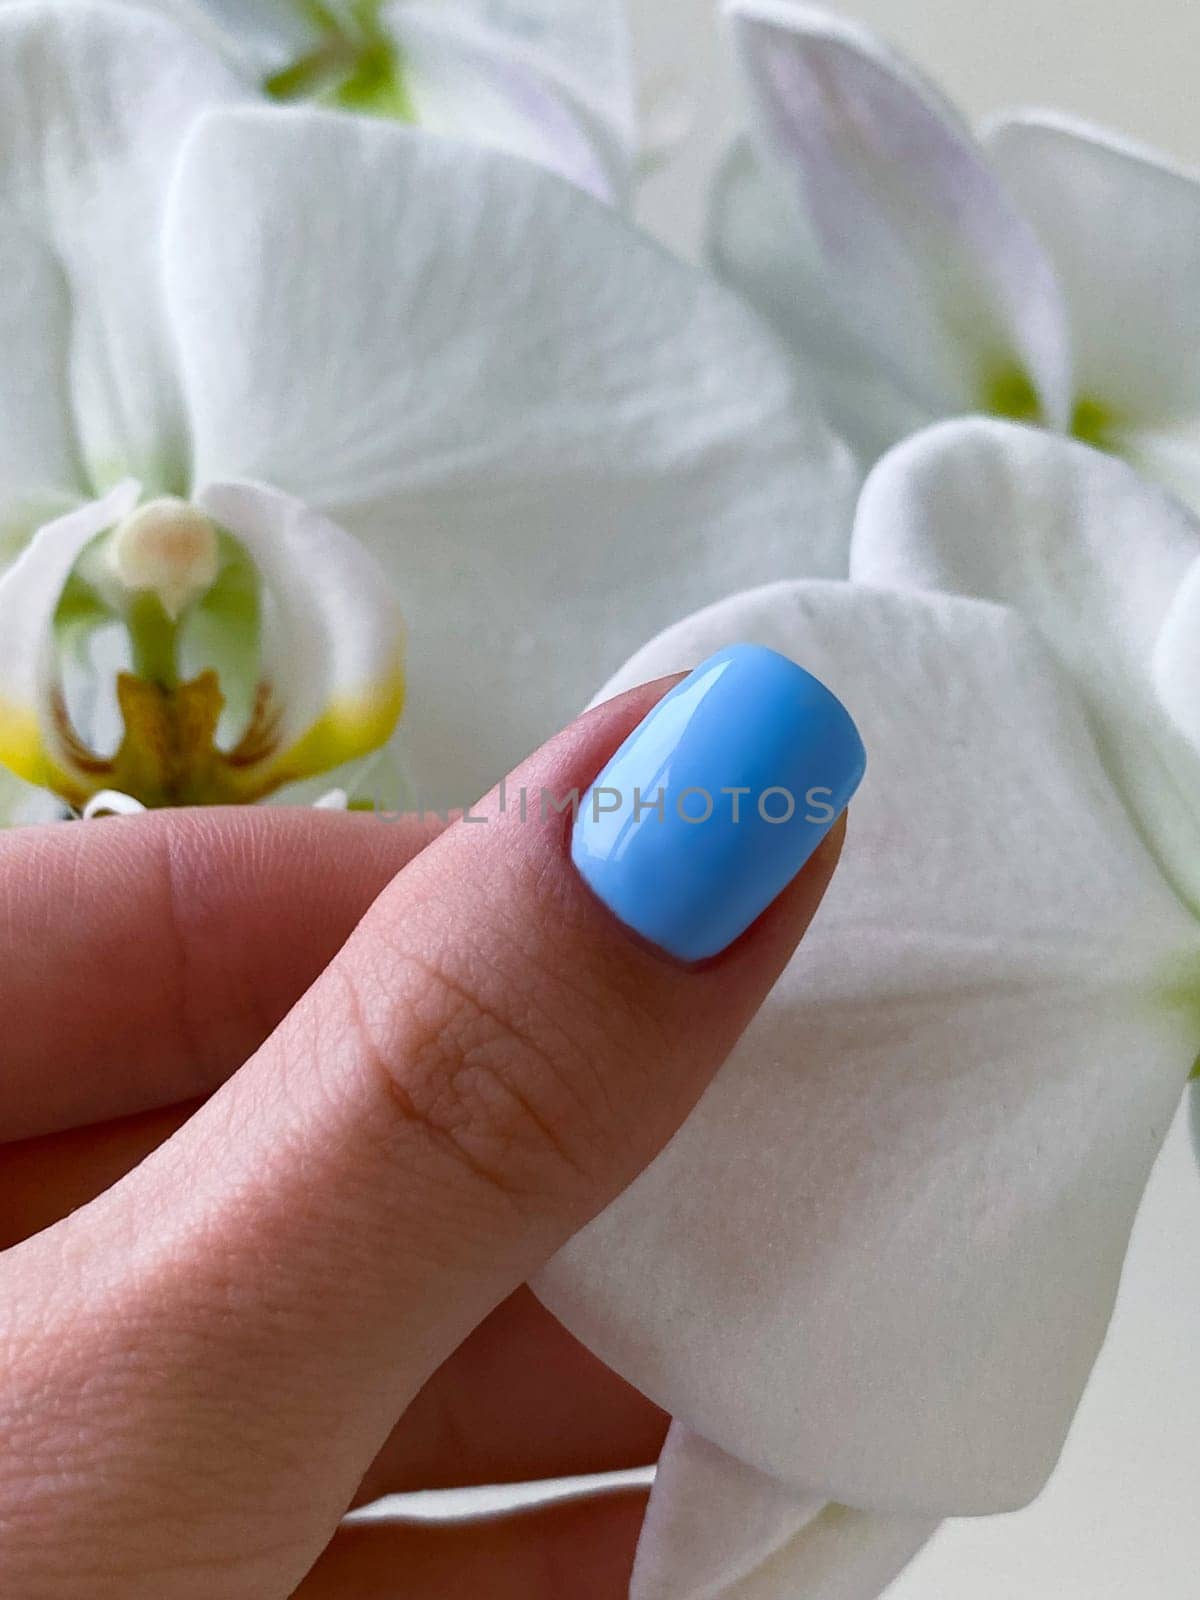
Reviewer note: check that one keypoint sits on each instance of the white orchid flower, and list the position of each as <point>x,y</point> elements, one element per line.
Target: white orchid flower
<point>1045,271</point>
<point>550,80</point>
<point>870,1275</point>
<point>274,377</point>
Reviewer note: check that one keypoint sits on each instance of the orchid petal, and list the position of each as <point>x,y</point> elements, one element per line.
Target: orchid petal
<point>1123,229</point>
<point>466,82</point>
<point>756,243</point>
<point>718,1530</point>
<point>1118,1516</point>
<point>933,267</point>
<point>377,781</point>
<point>333,651</point>
<point>39,469</point>
<point>23,806</point>
<point>1084,548</point>
<point>261,28</point>
<point>502,389</point>
<point>31,743</point>
<point>947,1109</point>
<point>94,102</point>
<point>265,35</point>
<point>583,44</point>
<point>1176,662</point>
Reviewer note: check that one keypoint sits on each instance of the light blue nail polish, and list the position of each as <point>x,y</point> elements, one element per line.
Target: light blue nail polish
<point>717,799</point>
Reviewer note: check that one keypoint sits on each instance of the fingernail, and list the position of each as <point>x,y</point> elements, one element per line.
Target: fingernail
<point>717,799</point>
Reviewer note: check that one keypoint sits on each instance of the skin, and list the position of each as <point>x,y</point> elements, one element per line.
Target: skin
<point>292,1106</point>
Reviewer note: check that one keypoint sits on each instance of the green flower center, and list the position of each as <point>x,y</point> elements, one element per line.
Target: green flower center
<point>1094,423</point>
<point>1009,392</point>
<point>353,62</point>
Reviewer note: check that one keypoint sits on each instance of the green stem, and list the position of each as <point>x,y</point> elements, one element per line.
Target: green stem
<point>155,640</point>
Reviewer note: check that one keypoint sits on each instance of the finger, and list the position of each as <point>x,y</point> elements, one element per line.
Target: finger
<point>43,1180</point>
<point>520,1400</point>
<point>491,1058</point>
<point>581,1549</point>
<point>143,958</point>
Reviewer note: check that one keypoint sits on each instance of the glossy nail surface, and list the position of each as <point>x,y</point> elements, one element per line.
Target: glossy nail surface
<point>717,799</point>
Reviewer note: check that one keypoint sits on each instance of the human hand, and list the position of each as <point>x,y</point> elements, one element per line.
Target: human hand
<point>309,1292</point>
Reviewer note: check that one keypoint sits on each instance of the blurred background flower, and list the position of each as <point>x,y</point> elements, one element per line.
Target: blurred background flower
<point>1044,272</point>
<point>550,80</point>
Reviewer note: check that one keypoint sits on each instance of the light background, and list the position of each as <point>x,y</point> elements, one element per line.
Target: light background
<point>1121,1520</point>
